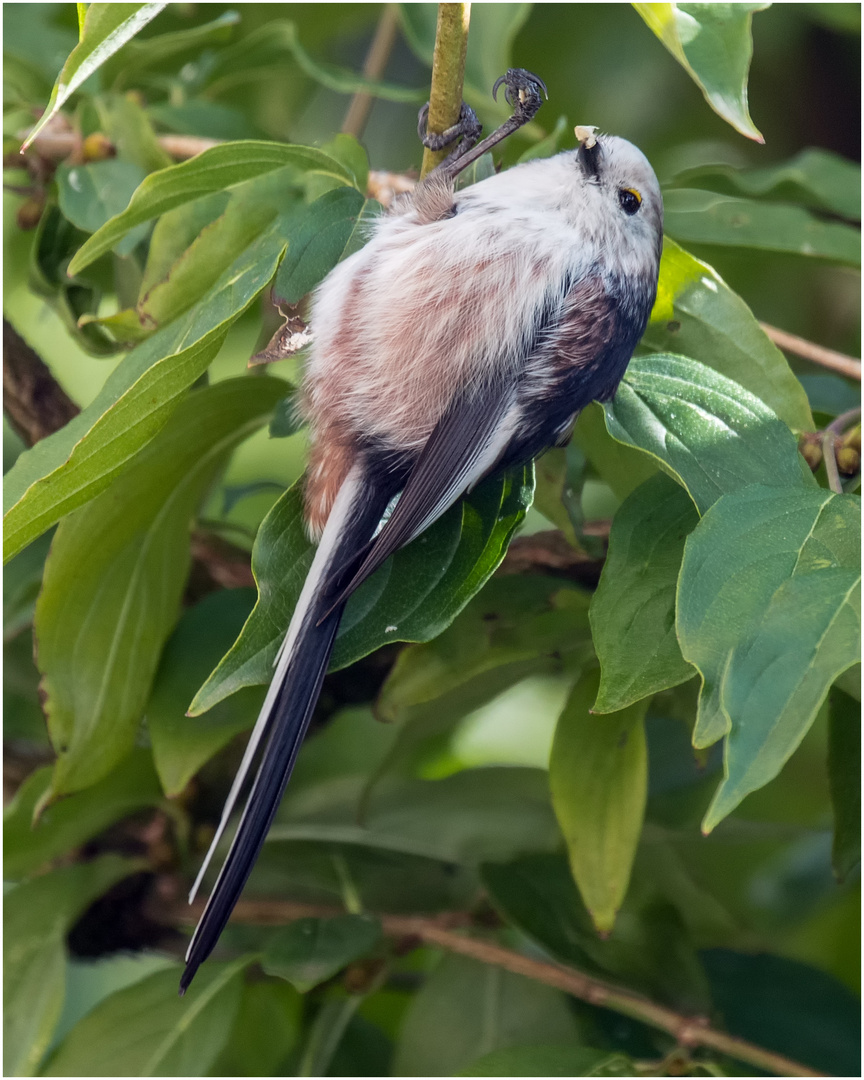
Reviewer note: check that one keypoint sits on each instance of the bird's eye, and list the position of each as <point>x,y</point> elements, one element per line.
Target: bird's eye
<point>630,200</point>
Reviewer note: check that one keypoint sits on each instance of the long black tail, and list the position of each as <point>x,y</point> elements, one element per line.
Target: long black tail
<point>300,669</point>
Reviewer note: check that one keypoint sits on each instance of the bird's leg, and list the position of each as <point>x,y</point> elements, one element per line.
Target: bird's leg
<point>523,92</point>
<point>467,126</point>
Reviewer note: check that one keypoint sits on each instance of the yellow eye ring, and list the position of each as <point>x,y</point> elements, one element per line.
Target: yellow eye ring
<point>630,200</point>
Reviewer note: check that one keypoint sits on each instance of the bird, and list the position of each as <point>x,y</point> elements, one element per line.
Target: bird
<point>463,339</point>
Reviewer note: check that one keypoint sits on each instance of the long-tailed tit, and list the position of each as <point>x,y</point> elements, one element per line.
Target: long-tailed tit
<point>463,339</point>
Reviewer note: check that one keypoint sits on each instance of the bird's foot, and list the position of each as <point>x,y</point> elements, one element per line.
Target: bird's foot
<point>467,127</point>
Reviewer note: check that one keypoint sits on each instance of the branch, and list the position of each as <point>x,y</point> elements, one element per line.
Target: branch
<point>816,354</point>
<point>376,61</point>
<point>441,930</point>
<point>34,402</point>
<point>448,75</point>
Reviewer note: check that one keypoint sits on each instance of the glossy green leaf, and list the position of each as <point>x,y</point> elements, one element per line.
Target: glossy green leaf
<point>145,1030</point>
<point>316,242</point>
<point>181,744</point>
<point>37,915</point>
<point>311,951</point>
<point>116,573</point>
<point>65,470</point>
<point>704,217</point>
<point>633,609</point>
<point>844,775</point>
<point>473,816</point>
<point>622,467</point>
<point>598,775</point>
<point>467,1009</point>
<point>712,43</point>
<point>768,614</point>
<point>705,429</point>
<point>546,1060</point>
<point>814,177</point>
<point>28,845</point>
<point>128,126</point>
<point>698,315</point>
<point>91,194</point>
<point>106,28</point>
<point>175,231</point>
<point>413,597</point>
<point>215,169</point>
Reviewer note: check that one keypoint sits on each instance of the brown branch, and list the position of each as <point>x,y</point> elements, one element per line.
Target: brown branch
<point>376,61</point>
<point>60,145</point>
<point>442,931</point>
<point>35,404</point>
<point>816,354</point>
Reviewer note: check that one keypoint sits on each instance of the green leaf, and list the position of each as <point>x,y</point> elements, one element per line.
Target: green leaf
<point>65,470</point>
<point>698,315</point>
<point>311,951</point>
<point>91,194</point>
<point>106,28</point>
<point>712,43</point>
<point>704,217</point>
<point>536,1060</point>
<point>814,177</point>
<point>789,1007</point>
<point>22,579</point>
<point>28,845</point>
<point>844,775</point>
<point>267,46</point>
<point>413,597</point>
<point>548,146</point>
<point>767,612</point>
<point>37,915</point>
<point>139,56</point>
<point>215,169</point>
<point>266,1030</point>
<point>633,609</point>
<point>472,816</point>
<point>145,1030</point>
<point>598,775</point>
<point>705,429</point>
<point>116,573</point>
<point>251,211</point>
<point>623,468</point>
<point>317,238</point>
<point>182,745</point>
<point>467,1009</point>
<point>285,420</point>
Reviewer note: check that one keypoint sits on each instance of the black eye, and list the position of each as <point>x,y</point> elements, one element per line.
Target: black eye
<point>630,201</point>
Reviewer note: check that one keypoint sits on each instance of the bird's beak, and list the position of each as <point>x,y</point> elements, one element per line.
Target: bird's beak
<point>590,152</point>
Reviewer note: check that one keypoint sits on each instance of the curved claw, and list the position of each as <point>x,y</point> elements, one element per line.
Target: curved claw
<point>516,80</point>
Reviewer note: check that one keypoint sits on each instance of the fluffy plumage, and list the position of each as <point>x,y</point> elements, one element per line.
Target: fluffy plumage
<point>465,337</point>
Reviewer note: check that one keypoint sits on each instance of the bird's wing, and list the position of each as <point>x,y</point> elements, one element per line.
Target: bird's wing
<point>464,445</point>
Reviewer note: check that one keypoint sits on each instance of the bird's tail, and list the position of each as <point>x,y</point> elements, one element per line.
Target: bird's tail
<point>300,668</point>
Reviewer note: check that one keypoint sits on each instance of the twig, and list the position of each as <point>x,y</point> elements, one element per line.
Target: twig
<point>34,402</point>
<point>829,440</point>
<point>440,930</point>
<point>376,61</point>
<point>448,75</point>
<point>816,354</point>
<point>60,145</point>
<point>844,420</point>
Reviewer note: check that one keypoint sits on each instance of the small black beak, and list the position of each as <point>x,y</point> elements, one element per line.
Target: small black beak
<point>589,158</point>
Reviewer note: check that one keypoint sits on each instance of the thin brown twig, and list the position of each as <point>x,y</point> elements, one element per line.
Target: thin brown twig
<point>376,61</point>
<point>816,354</point>
<point>443,931</point>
